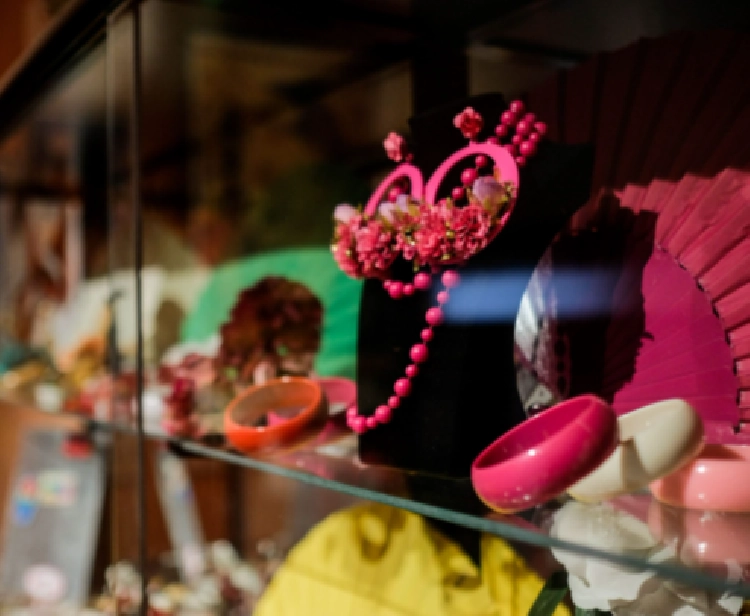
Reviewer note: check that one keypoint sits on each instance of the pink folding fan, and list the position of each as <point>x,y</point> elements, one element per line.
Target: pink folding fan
<point>646,294</point>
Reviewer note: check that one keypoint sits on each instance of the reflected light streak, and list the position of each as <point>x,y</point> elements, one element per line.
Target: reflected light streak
<point>492,296</point>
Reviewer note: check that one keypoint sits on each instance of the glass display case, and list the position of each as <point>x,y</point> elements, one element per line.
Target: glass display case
<point>266,373</point>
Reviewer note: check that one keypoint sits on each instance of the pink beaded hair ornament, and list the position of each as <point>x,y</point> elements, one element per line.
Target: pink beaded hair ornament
<point>433,234</point>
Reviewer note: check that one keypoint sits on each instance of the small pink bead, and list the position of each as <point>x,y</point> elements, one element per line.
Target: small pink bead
<point>517,139</point>
<point>402,387</point>
<point>535,137</point>
<point>516,107</point>
<point>450,279</point>
<point>393,402</point>
<point>411,371</point>
<point>358,424</point>
<point>508,118</point>
<point>383,414</point>
<point>469,176</point>
<point>395,289</point>
<point>422,281</point>
<point>541,128</point>
<point>501,130</point>
<point>457,193</point>
<point>523,128</point>
<point>387,284</point>
<point>351,412</point>
<point>394,194</point>
<point>418,354</point>
<point>426,334</point>
<point>408,289</point>
<point>480,161</point>
<point>434,316</point>
<point>520,161</point>
<point>371,422</point>
<point>527,148</point>
<point>442,297</point>
<point>530,118</point>
<point>493,140</point>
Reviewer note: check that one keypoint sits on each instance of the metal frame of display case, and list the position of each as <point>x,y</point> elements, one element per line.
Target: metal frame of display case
<point>78,26</point>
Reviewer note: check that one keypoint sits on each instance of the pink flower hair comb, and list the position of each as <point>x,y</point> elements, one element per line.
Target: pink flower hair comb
<point>405,217</point>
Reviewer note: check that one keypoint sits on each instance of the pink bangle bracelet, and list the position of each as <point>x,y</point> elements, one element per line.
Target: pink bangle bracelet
<point>543,456</point>
<point>341,392</point>
<point>715,480</point>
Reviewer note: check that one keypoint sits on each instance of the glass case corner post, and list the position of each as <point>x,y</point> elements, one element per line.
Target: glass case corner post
<point>124,66</point>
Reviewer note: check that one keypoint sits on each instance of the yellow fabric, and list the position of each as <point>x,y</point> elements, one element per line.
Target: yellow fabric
<point>374,560</point>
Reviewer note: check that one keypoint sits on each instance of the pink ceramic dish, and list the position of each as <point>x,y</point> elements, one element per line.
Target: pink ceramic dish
<point>715,480</point>
<point>546,454</point>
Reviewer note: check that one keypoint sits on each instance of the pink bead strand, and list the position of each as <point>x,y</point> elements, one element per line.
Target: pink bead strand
<point>397,289</point>
<point>519,133</point>
<point>521,130</point>
<point>516,107</point>
<point>508,118</point>
<point>469,176</point>
<point>418,353</point>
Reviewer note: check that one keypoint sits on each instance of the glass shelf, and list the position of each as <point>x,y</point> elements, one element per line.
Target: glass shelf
<point>707,550</point>
<point>331,462</point>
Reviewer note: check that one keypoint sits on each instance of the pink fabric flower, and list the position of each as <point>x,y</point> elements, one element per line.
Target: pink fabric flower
<point>406,246</point>
<point>344,213</point>
<point>490,193</point>
<point>389,211</point>
<point>425,233</point>
<point>469,122</point>
<point>347,263</point>
<point>395,147</point>
<point>430,236</point>
<point>442,233</point>
<point>471,227</point>
<point>343,247</point>
<point>363,248</point>
<point>374,246</point>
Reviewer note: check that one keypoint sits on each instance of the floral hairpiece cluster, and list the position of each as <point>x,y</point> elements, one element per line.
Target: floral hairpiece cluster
<point>366,243</point>
<point>427,234</point>
<point>433,233</point>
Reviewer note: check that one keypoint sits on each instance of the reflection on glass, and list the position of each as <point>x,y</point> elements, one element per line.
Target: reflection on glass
<point>52,525</point>
<point>622,527</point>
<point>52,203</point>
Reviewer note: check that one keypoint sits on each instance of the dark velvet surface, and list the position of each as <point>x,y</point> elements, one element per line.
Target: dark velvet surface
<point>465,395</point>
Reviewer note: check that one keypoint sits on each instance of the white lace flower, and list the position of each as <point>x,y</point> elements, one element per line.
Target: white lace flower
<point>602,585</point>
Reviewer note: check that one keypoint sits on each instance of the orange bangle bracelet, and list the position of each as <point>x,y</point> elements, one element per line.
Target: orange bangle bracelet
<point>258,400</point>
